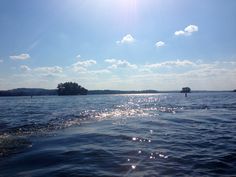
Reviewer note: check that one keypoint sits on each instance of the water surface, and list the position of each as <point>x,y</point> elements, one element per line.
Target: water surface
<point>119,135</point>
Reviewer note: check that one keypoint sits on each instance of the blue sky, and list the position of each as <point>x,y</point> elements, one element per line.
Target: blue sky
<point>119,44</point>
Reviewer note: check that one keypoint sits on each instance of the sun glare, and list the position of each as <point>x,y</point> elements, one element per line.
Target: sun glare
<point>129,5</point>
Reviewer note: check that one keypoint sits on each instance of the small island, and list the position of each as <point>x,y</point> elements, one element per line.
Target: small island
<point>71,88</point>
<point>185,90</point>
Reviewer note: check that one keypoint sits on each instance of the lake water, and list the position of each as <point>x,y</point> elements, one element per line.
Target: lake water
<point>119,135</point>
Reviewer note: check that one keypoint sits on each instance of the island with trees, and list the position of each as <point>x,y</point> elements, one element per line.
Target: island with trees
<point>185,90</point>
<point>71,88</point>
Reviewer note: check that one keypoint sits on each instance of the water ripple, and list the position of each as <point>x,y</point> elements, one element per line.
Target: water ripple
<point>119,135</point>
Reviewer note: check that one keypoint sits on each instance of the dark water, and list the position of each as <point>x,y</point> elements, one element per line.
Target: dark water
<point>119,135</point>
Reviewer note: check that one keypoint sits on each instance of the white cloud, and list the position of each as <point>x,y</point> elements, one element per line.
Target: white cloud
<point>120,64</point>
<point>85,63</point>
<point>49,70</point>
<point>78,56</point>
<point>173,63</point>
<point>127,39</point>
<point>79,69</point>
<point>23,56</point>
<point>191,28</point>
<point>101,71</point>
<point>25,68</point>
<point>81,66</point>
<point>160,44</point>
<point>34,75</point>
<point>42,70</point>
<point>187,31</point>
<point>179,33</point>
<point>230,62</point>
<point>1,61</point>
<point>111,61</point>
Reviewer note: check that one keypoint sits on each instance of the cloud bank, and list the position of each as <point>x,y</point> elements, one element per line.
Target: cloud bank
<point>121,74</point>
<point>120,64</point>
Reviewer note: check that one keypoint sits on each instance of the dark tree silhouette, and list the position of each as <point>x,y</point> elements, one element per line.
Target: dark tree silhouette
<point>186,90</point>
<point>71,88</point>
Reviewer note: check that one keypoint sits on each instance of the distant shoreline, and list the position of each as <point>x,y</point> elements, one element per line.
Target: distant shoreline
<point>48,92</point>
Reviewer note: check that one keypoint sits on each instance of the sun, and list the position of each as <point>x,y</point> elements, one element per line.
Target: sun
<point>128,4</point>
<point>128,9</point>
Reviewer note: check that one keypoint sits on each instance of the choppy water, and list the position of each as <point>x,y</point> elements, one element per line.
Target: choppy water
<point>119,135</point>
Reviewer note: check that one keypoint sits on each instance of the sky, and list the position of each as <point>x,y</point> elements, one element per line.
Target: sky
<point>118,44</point>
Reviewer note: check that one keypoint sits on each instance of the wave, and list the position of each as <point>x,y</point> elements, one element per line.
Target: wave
<point>19,136</point>
<point>15,139</point>
<point>12,145</point>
